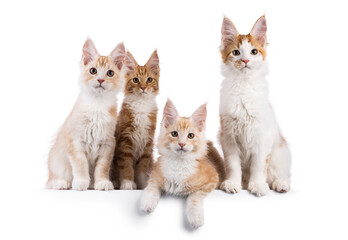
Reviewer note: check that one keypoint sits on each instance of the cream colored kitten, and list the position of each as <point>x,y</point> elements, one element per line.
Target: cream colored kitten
<point>255,151</point>
<point>188,165</point>
<point>84,147</point>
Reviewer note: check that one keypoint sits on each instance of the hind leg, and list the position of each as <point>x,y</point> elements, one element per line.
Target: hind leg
<point>278,172</point>
<point>143,167</point>
<point>60,173</point>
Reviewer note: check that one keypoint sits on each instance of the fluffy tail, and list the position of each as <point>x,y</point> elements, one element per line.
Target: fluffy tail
<point>215,158</point>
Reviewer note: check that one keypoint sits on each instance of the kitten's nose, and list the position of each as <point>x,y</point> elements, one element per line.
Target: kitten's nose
<point>101,81</point>
<point>143,88</point>
<point>245,61</point>
<point>182,145</point>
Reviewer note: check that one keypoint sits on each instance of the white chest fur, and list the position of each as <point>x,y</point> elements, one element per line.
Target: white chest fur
<point>141,106</point>
<point>176,173</point>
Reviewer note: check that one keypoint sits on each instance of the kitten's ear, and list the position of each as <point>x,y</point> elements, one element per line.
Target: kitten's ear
<point>259,31</point>
<point>130,62</point>
<point>228,32</point>
<point>153,63</point>
<point>199,117</point>
<point>89,52</point>
<point>170,114</point>
<point>118,55</point>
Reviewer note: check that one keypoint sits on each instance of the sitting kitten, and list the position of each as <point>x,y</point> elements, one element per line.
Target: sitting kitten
<point>187,165</point>
<point>83,150</point>
<point>255,151</point>
<point>136,124</point>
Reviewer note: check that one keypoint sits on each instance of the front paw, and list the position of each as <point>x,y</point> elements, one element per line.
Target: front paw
<point>281,186</point>
<point>80,184</point>
<point>258,188</point>
<point>103,184</point>
<point>196,218</point>
<point>128,185</point>
<point>231,186</point>
<point>148,202</point>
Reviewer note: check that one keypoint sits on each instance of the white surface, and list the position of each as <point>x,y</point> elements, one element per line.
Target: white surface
<point>40,47</point>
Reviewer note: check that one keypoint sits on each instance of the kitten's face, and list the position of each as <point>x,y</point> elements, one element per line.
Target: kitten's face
<point>182,136</point>
<point>101,74</point>
<point>244,53</point>
<point>142,80</point>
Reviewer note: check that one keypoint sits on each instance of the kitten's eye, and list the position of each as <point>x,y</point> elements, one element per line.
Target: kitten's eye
<point>149,80</point>
<point>191,135</point>
<point>93,71</point>
<point>235,52</point>
<point>174,134</point>
<point>135,80</point>
<point>110,73</point>
<point>254,51</point>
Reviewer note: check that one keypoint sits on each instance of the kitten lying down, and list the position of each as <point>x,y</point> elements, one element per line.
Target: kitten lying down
<point>188,165</point>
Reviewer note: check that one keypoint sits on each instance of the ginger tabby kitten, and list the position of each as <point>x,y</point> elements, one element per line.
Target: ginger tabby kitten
<point>188,165</point>
<point>136,124</point>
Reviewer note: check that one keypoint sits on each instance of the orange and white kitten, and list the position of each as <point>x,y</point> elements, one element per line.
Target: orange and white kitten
<point>136,124</point>
<point>83,149</point>
<point>188,164</point>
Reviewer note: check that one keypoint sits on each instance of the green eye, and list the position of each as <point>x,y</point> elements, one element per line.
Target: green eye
<point>174,134</point>
<point>136,80</point>
<point>110,73</point>
<point>93,71</point>
<point>191,135</point>
<point>235,52</point>
<point>254,51</point>
<point>149,80</point>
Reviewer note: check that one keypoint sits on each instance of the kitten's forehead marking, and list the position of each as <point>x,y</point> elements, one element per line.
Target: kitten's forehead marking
<point>184,123</point>
<point>142,70</point>
<point>102,61</point>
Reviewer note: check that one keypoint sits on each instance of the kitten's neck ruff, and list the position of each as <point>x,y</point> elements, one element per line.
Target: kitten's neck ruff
<point>249,75</point>
<point>97,100</point>
<point>140,103</point>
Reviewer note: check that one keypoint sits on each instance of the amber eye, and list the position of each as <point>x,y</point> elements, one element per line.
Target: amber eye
<point>110,73</point>
<point>149,80</point>
<point>135,80</point>
<point>191,135</point>
<point>93,71</point>
<point>174,134</point>
<point>254,51</point>
<point>235,52</point>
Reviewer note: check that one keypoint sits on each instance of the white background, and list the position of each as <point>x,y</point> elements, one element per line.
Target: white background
<point>40,49</point>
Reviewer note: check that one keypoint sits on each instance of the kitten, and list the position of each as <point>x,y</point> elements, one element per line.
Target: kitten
<point>188,164</point>
<point>254,149</point>
<point>136,124</point>
<point>83,150</point>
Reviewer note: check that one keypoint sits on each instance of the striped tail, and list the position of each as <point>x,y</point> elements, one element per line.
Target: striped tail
<point>215,158</point>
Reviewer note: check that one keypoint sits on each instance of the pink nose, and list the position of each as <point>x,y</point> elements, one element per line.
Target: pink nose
<point>245,61</point>
<point>101,81</point>
<point>182,145</point>
<point>143,88</point>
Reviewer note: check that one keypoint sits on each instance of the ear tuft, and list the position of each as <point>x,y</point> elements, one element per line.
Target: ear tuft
<point>259,31</point>
<point>118,55</point>
<point>130,62</point>
<point>170,114</point>
<point>89,52</point>
<point>228,32</point>
<point>153,63</point>
<point>199,117</point>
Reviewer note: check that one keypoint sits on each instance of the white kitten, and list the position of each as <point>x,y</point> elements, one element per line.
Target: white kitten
<point>84,146</point>
<point>254,150</point>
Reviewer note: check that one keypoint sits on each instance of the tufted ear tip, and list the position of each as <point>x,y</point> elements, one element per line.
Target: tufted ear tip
<point>199,117</point>
<point>170,114</point>
<point>259,31</point>
<point>153,63</point>
<point>118,55</point>
<point>89,52</point>
<point>228,32</point>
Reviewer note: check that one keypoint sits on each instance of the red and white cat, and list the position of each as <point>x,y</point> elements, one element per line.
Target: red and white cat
<point>188,165</point>
<point>256,154</point>
<point>83,149</point>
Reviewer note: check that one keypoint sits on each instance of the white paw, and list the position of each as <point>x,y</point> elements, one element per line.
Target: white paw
<point>281,186</point>
<point>80,184</point>
<point>59,184</point>
<point>231,186</point>
<point>196,218</point>
<point>128,185</point>
<point>258,188</point>
<point>103,184</point>
<point>148,202</point>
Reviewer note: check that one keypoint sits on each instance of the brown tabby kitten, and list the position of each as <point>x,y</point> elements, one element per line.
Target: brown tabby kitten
<point>136,124</point>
